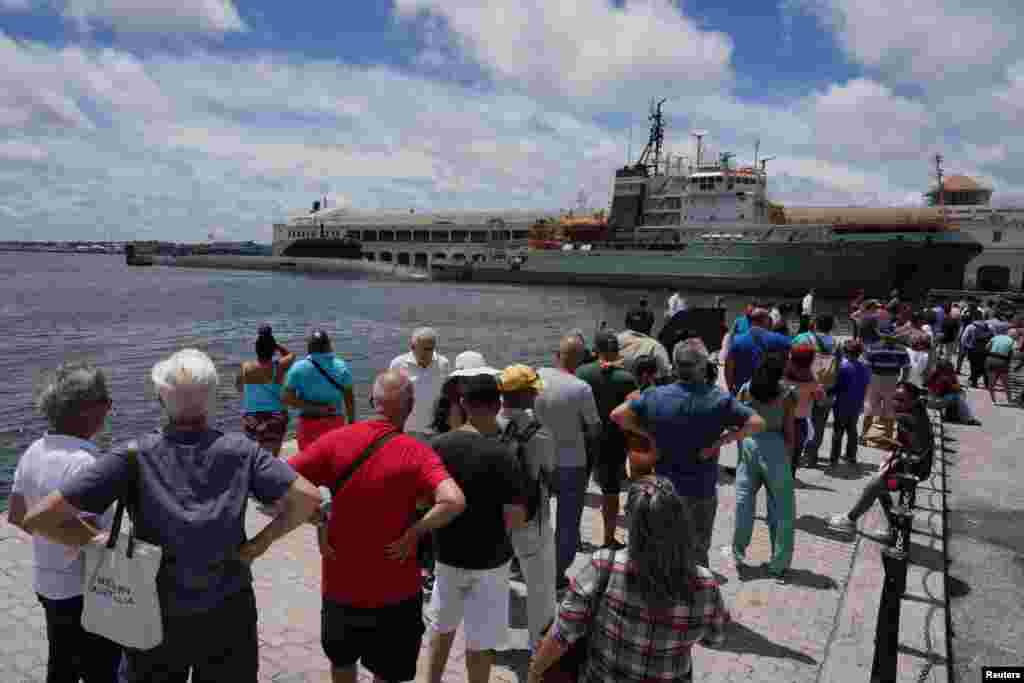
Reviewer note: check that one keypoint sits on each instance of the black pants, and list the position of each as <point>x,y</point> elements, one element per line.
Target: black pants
<point>844,425</point>
<point>875,490</point>
<point>977,359</point>
<point>218,645</point>
<point>74,653</point>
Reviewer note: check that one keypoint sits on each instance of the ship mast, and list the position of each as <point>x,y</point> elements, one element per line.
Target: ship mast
<point>941,191</point>
<point>650,158</point>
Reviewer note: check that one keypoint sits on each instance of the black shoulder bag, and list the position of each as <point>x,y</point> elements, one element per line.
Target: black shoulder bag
<point>363,457</point>
<point>328,376</point>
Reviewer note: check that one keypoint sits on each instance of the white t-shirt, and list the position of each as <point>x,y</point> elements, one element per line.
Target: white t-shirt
<point>564,407</point>
<point>808,305</point>
<point>426,385</point>
<point>676,303</point>
<point>44,467</point>
<point>917,371</point>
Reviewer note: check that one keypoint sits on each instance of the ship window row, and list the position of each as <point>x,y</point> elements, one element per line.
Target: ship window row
<point>443,236</point>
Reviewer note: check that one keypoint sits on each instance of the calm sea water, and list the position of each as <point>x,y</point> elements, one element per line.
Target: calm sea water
<point>57,307</point>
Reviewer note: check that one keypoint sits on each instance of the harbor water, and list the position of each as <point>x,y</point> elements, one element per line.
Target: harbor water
<point>59,307</point>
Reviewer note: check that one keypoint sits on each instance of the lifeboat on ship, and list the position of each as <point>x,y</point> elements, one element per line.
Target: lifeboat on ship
<point>569,229</point>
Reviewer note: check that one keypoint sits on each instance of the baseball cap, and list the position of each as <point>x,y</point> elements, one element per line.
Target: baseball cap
<point>606,342</point>
<point>520,378</point>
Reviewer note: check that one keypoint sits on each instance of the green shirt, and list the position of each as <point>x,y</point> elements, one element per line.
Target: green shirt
<point>611,385</point>
<point>1002,345</point>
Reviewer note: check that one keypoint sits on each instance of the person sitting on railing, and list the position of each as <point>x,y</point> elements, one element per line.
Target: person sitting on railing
<point>944,384</point>
<point>912,452</point>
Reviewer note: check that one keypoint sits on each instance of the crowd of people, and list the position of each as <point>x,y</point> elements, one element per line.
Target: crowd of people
<point>452,478</point>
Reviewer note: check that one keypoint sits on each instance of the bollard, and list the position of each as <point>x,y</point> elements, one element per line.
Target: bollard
<point>887,628</point>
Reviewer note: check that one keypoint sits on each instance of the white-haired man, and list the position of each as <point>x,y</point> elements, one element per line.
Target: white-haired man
<point>686,421</point>
<point>75,402</point>
<point>189,485</point>
<point>372,598</point>
<point>427,370</point>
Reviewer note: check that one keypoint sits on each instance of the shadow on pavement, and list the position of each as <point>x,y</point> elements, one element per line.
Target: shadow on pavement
<point>804,486</point>
<point>847,472</point>
<point>923,556</point>
<point>517,661</point>
<point>796,577</point>
<point>819,527</point>
<point>739,638</point>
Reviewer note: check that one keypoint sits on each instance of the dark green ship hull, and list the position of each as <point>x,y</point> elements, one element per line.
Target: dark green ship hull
<point>913,262</point>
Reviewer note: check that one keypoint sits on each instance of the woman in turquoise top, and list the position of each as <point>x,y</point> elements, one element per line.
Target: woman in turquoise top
<point>264,417</point>
<point>997,363</point>
<point>765,460</point>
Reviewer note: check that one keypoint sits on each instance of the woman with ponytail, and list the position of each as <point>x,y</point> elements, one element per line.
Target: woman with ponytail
<point>264,417</point>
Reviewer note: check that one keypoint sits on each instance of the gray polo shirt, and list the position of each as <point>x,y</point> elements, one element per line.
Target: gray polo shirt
<point>565,407</point>
<point>190,491</point>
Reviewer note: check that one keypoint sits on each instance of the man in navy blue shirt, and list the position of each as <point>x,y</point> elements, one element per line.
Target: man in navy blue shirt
<point>689,421</point>
<point>746,350</point>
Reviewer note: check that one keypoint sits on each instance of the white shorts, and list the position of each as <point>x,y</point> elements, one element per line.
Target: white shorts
<point>480,596</point>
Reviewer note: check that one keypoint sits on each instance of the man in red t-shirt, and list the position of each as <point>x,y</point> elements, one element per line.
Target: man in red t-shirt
<point>373,602</point>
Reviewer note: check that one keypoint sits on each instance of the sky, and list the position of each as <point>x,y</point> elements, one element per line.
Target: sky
<point>181,119</point>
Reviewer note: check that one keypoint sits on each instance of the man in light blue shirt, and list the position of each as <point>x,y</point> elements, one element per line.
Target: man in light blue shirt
<point>316,386</point>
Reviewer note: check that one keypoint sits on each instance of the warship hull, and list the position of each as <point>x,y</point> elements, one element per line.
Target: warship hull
<point>878,262</point>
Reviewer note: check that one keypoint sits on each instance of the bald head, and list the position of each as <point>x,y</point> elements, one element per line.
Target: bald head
<point>570,352</point>
<point>393,396</point>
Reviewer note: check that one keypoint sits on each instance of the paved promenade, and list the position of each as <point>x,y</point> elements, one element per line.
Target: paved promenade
<point>818,627</point>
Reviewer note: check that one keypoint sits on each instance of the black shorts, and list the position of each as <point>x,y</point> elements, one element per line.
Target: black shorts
<point>610,468</point>
<point>385,639</point>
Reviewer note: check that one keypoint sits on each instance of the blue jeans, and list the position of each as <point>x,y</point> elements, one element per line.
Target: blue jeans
<point>572,492</point>
<point>765,463</point>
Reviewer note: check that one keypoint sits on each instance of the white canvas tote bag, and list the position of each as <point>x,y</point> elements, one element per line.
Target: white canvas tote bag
<point>120,598</point>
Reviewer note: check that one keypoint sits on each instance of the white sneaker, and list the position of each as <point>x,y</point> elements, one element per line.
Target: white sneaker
<point>842,523</point>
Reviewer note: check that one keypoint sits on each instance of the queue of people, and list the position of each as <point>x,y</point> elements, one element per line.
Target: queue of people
<point>466,460</point>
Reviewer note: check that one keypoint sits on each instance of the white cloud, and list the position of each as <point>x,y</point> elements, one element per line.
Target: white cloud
<point>157,16</point>
<point>17,150</point>
<point>181,144</point>
<point>919,40</point>
<point>580,48</point>
<point>213,17</point>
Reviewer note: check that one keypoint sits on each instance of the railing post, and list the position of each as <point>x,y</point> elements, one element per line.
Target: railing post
<point>887,628</point>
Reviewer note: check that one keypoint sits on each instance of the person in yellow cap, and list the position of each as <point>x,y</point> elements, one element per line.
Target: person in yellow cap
<point>534,543</point>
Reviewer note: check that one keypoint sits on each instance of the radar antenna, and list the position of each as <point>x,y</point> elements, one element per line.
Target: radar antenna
<point>699,134</point>
<point>650,158</point>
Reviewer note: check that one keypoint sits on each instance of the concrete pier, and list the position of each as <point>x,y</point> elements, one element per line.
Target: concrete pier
<point>819,627</point>
<point>292,265</point>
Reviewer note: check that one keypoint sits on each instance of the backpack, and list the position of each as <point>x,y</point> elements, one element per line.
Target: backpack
<point>532,485</point>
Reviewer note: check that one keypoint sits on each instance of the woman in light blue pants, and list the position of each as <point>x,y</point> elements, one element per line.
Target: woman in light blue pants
<point>764,461</point>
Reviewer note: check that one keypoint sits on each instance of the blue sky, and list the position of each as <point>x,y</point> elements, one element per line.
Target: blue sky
<point>175,120</point>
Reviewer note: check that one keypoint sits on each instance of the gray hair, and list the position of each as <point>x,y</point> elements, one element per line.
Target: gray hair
<point>423,333</point>
<point>187,384</point>
<point>661,542</point>
<point>690,363</point>
<point>71,387</point>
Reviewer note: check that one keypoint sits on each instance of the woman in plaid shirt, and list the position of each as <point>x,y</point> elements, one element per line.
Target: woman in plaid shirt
<point>644,607</point>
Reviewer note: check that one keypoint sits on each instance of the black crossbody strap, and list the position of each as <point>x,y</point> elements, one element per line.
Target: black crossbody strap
<point>329,378</point>
<point>363,457</point>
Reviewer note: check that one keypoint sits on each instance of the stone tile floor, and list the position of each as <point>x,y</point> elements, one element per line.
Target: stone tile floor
<point>780,632</point>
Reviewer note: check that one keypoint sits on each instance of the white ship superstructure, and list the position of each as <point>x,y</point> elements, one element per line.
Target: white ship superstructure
<point>410,237</point>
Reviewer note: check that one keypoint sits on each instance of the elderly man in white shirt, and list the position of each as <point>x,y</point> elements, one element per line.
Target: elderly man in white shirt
<point>428,371</point>
<point>76,403</point>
